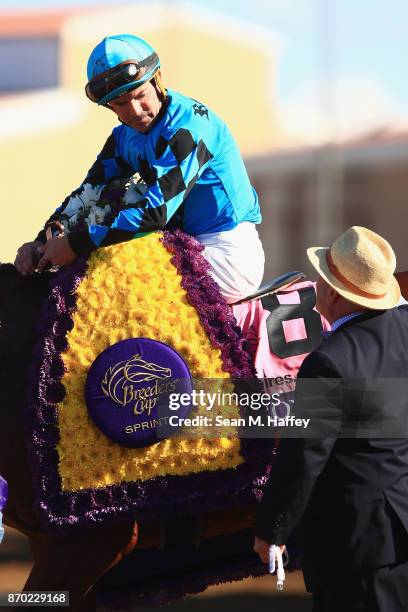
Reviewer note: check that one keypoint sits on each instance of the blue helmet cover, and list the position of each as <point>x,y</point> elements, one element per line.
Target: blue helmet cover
<point>114,50</point>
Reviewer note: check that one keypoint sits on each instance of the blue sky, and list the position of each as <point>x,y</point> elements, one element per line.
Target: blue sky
<point>345,53</point>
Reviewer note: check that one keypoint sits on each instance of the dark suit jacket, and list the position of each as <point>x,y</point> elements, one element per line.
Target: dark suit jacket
<point>346,487</point>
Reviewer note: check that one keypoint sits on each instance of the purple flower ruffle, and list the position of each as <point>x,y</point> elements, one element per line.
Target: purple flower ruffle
<point>204,294</point>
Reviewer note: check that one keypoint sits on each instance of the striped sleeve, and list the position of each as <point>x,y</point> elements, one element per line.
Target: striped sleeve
<point>177,164</point>
<point>108,166</point>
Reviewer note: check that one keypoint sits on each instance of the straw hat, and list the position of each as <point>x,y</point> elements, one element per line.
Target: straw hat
<point>360,267</point>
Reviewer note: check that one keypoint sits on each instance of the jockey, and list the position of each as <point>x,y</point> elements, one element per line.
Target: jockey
<point>196,179</point>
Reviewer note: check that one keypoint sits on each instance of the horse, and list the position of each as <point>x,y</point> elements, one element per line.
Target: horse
<point>77,562</point>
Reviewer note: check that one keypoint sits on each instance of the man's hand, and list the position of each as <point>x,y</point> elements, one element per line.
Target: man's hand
<point>27,257</point>
<point>56,252</point>
<point>261,547</point>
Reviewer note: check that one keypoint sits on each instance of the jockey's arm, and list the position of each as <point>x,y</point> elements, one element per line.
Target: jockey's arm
<point>108,165</point>
<point>170,178</point>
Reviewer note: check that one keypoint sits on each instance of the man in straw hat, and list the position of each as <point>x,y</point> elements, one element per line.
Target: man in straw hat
<point>345,484</point>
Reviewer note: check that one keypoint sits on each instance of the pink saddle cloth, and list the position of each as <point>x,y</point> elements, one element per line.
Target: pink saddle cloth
<point>282,329</point>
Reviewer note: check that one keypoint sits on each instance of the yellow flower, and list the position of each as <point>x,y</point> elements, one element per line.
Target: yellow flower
<point>133,290</point>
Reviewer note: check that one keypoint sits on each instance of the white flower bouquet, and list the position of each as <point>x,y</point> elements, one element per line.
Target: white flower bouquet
<point>96,204</point>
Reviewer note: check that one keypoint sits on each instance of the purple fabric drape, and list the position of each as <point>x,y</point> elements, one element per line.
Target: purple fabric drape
<point>3,493</point>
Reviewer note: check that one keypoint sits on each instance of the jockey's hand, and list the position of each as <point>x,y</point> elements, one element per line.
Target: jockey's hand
<point>27,257</point>
<point>261,547</point>
<point>55,252</point>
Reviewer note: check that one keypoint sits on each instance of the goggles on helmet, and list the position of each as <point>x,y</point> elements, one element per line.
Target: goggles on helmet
<point>121,78</point>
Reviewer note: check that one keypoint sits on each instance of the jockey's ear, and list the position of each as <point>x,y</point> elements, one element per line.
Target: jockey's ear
<point>159,87</point>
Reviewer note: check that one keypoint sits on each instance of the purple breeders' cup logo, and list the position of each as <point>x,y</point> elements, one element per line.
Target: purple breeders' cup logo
<point>128,388</point>
<point>118,382</point>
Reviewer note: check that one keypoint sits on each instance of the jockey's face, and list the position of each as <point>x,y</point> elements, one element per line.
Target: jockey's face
<point>138,108</point>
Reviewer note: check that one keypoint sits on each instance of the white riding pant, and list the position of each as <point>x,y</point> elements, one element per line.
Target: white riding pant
<point>237,260</point>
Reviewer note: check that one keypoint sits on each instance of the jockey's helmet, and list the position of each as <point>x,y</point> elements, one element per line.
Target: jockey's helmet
<point>119,64</point>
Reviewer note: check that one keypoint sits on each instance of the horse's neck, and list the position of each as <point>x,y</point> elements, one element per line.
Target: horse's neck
<point>21,299</point>
<point>9,279</point>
